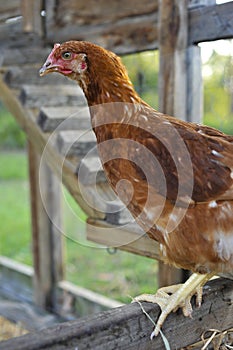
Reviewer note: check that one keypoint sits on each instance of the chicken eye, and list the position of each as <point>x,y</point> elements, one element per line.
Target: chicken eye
<point>66,55</point>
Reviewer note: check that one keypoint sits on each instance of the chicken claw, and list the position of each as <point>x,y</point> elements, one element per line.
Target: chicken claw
<point>176,296</point>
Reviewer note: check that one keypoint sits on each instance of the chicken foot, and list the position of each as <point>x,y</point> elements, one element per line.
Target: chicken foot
<point>177,296</point>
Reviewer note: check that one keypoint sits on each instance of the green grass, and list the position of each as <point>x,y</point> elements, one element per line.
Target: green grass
<point>14,208</point>
<point>13,166</point>
<point>116,276</point>
<point>11,136</point>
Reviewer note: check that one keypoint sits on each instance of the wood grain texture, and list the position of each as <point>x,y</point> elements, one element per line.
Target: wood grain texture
<point>76,143</point>
<point>27,74</point>
<point>172,51</point>
<point>128,328</point>
<point>127,237</point>
<point>33,96</point>
<point>9,9</point>
<point>131,28</point>
<point>47,238</point>
<point>123,28</point>
<point>16,284</point>
<point>211,23</point>
<point>63,118</point>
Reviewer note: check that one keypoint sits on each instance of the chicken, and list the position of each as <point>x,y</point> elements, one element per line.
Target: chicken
<point>175,177</point>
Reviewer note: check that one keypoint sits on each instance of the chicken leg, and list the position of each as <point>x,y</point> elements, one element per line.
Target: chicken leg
<point>177,296</point>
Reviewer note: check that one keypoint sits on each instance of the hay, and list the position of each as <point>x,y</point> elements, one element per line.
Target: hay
<point>10,330</point>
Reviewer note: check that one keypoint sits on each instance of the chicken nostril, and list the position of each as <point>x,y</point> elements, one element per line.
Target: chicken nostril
<point>48,63</point>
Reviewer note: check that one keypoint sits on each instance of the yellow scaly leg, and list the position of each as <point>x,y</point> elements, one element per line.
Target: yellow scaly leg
<point>177,296</point>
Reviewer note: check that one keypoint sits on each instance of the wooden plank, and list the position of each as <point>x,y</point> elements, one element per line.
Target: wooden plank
<point>33,96</point>
<point>125,35</point>
<point>127,237</point>
<point>81,301</point>
<point>47,242</point>
<point>62,167</point>
<point>75,12</point>
<point>16,280</point>
<point>173,81</point>
<point>172,57</point>
<point>64,118</point>
<point>11,55</point>
<point>128,328</point>
<point>9,9</point>
<point>27,7</point>
<point>16,283</point>
<point>113,25</point>
<point>12,36</point>
<point>76,143</point>
<point>211,23</point>
<point>93,170</point>
<point>136,32</point>
<point>16,76</point>
<point>118,214</point>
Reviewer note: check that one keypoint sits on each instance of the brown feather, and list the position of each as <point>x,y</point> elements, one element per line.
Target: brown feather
<point>186,202</point>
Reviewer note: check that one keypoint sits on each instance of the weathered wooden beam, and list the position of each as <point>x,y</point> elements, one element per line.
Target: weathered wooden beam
<point>126,237</point>
<point>64,118</point>
<point>16,280</point>
<point>27,74</point>
<point>33,96</point>
<point>28,15</point>
<point>76,143</point>
<point>210,23</point>
<point>9,9</point>
<point>47,237</point>
<point>172,57</point>
<point>93,170</point>
<point>128,327</point>
<point>173,33</point>
<point>14,56</point>
<point>133,29</point>
<point>81,301</point>
<point>16,283</point>
<point>124,29</point>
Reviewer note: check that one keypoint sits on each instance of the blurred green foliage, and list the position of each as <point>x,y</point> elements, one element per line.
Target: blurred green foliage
<point>11,136</point>
<point>218,92</point>
<point>143,71</point>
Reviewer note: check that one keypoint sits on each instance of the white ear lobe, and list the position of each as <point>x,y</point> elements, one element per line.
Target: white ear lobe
<point>82,65</point>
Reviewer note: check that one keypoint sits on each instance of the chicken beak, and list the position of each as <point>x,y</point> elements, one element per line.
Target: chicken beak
<point>43,71</point>
<point>47,68</point>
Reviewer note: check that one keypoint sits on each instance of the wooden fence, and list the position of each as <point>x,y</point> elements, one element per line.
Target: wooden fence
<point>172,26</point>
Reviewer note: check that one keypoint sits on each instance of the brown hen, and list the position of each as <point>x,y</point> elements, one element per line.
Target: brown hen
<point>175,177</point>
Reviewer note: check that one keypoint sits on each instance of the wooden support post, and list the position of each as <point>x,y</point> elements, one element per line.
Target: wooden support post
<point>180,86</point>
<point>172,52</point>
<point>32,20</point>
<point>172,84</point>
<point>47,239</point>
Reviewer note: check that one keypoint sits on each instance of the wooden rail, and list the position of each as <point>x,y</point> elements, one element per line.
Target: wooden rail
<point>126,29</point>
<point>128,327</point>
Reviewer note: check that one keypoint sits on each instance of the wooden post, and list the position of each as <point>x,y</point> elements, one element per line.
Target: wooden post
<point>47,239</point>
<point>180,83</point>
<point>173,32</point>
<point>32,20</point>
<point>172,52</point>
